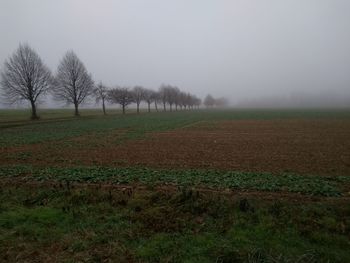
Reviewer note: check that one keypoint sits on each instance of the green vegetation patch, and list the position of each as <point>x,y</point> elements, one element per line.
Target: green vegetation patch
<point>92,224</point>
<point>304,184</point>
<point>137,125</point>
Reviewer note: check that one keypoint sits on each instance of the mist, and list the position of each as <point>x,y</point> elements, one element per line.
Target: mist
<point>271,53</point>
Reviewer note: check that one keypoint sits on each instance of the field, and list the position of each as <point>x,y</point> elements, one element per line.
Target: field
<point>188,186</point>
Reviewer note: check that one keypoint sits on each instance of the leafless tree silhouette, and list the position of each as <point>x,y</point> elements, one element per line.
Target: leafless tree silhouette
<point>25,77</point>
<point>149,97</point>
<point>182,99</point>
<point>122,96</point>
<point>139,94</point>
<point>101,93</point>
<point>197,102</point>
<point>156,99</point>
<point>163,95</point>
<point>209,101</point>
<point>221,102</point>
<point>172,93</point>
<point>73,83</point>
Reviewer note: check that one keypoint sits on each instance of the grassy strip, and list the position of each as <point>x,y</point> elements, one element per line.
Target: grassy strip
<point>311,185</point>
<point>98,225</point>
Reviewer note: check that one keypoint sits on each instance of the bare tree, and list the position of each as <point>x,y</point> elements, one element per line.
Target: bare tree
<point>194,101</point>
<point>156,98</point>
<point>73,83</point>
<point>163,95</point>
<point>172,93</point>
<point>25,77</point>
<point>186,100</point>
<point>221,102</point>
<point>197,102</point>
<point>177,99</point>
<point>101,93</point>
<point>149,97</point>
<point>189,100</point>
<point>182,100</point>
<point>209,101</point>
<point>138,93</point>
<point>121,96</point>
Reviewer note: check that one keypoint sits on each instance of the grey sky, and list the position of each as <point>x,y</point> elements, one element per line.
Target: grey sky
<point>240,49</point>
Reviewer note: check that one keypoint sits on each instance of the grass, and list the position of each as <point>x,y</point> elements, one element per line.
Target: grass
<point>89,224</point>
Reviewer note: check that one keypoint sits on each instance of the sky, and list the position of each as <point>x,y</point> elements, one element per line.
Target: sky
<point>269,52</point>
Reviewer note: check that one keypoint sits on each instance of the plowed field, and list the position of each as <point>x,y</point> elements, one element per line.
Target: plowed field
<point>319,147</point>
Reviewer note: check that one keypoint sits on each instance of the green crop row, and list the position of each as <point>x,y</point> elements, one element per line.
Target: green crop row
<point>304,184</point>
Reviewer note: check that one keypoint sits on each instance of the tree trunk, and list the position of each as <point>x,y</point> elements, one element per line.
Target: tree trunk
<point>34,115</point>
<point>156,106</point>
<point>123,109</point>
<point>171,107</point>
<point>164,108</point>
<point>175,107</point>
<point>149,107</point>
<point>104,107</point>
<point>76,107</point>
<point>138,107</point>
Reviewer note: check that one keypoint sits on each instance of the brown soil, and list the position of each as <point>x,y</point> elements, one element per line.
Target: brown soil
<point>319,147</point>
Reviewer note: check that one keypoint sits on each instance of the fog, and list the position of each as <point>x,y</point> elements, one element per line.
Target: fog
<point>255,53</point>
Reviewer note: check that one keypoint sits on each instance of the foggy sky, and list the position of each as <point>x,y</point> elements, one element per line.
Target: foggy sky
<point>245,50</point>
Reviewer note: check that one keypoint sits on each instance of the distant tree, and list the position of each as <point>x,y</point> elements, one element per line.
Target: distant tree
<point>178,98</point>
<point>190,100</point>
<point>182,100</point>
<point>209,101</point>
<point>139,94</point>
<point>197,102</point>
<point>25,77</point>
<point>221,102</point>
<point>73,83</point>
<point>187,100</point>
<point>121,96</point>
<point>156,99</point>
<point>169,95</point>
<point>101,93</point>
<point>149,97</point>
<point>163,95</point>
<point>172,93</point>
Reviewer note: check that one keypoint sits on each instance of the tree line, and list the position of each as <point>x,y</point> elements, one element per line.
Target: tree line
<point>166,96</point>
<point>211,102</point>
<point>26,77</point>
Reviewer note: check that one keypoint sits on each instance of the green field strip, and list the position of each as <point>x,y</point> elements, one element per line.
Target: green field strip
<point>285,182</point>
